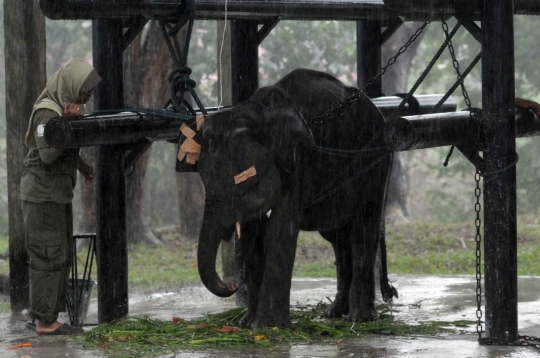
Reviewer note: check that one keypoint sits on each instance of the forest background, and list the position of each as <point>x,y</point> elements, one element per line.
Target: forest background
<point>437,193</point>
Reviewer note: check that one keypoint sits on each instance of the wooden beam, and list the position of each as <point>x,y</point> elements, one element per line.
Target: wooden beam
<point>110,183</point>
<point>471,26</point>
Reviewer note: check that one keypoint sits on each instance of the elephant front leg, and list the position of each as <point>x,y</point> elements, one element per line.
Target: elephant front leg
<point>252,251</point>
<point>279,253</point>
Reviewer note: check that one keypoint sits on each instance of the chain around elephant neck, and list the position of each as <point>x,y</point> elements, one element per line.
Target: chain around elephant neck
<point>338,111</point>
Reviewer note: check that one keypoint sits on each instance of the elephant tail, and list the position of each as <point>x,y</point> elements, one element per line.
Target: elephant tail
<point>387,290</point>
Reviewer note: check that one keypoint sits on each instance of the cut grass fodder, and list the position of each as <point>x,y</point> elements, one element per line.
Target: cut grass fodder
<point>142,336</point>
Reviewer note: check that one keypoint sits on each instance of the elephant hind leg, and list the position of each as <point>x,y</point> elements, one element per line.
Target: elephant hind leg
<point>340,240</point>
<point>365,239</point>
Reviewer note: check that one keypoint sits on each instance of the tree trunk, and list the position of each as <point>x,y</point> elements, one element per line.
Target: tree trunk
<point>395,81</point>
<point>190,192</point>
<point>24,27</point>
<point>146,66</point>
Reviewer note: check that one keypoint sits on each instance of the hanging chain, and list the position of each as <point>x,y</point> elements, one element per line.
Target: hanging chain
<point>478,239</point>
<point>338,111</point>
<point>455,63</point>
<point>460,80</point>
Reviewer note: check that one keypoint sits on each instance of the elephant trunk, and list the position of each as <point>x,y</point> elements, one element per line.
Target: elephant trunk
<point>212,233</point>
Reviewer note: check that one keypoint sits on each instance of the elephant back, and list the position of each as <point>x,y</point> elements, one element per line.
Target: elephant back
<point>314,93</point>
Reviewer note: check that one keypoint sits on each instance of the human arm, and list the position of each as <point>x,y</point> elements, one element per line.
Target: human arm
<point>47,154</point>
<point>86,170</point>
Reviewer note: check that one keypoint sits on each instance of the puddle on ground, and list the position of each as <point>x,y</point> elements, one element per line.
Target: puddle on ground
<point>422,298</point>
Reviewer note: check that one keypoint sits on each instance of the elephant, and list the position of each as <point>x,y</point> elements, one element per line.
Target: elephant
<point>263,175</point>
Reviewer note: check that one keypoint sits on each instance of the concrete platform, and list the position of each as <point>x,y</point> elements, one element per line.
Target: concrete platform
<point>422,298</point>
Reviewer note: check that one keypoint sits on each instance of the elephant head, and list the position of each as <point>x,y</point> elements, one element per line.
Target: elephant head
<point>246,153</point>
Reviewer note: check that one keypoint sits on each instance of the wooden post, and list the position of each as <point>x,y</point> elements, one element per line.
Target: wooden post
<point>500,231</point>
<point>228,264</point>
<point>244,59</point>
<point>110,185</point>
<point>239,78</point>
<point>25,79</point>
<point>368,47</point>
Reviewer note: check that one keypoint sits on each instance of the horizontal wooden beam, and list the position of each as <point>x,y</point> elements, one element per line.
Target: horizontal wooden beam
<point>443,129</point>
<point>263,10</point>
<point>453,7</point>
<point>216,9</point>
<point>131,128</point>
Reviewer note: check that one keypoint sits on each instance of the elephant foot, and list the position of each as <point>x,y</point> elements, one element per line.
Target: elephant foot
<point>272,320</point>
<point>365,313</point>
<point>247,319</point>
<point>337,309</point>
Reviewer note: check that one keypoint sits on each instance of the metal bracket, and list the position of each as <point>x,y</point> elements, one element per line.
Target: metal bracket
<point>473,156</point>
<point>267,27</point>
<point>393,26</point>
<point>132,32</point>
<point>471,26</point>
<point>135,153</point>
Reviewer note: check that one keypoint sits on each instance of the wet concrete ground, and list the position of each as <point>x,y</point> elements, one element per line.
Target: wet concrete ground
<point>422,298</point>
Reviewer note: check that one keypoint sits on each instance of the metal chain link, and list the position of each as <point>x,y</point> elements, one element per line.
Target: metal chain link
<point>455,63</point>
<point>460,80</point>
<point>338,111</point>
<point>478,239</point>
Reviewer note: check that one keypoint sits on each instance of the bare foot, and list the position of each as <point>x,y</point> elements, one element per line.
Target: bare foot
<point>47,327</point>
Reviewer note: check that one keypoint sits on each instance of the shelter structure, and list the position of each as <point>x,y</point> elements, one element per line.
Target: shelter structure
<point>116,23</point>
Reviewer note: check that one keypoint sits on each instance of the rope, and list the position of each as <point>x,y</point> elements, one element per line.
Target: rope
<point>503,169</point>
<point>179,80</point>
<point>350,179</point>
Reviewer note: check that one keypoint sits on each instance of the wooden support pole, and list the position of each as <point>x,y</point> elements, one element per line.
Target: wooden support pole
<point>500,231</point>
<point>110,185</point>
<point>244,59</point>
<point>25,79</point>
<point>244,82</point>
<point>368,44</point>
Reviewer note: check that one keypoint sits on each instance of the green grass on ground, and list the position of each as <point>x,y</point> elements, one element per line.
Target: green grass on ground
<point>413,248</point>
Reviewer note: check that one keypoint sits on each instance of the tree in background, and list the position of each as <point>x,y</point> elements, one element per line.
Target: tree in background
<point>440,194</point>
<point>146,67</point>
<point>395,80</point>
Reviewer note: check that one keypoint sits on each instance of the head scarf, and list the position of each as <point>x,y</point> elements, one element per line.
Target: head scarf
<point>65,85</point>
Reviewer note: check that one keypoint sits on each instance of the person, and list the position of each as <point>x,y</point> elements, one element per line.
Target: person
<point>46,193</point>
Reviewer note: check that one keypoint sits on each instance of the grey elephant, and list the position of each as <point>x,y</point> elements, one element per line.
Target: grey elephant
<point>271,171</point>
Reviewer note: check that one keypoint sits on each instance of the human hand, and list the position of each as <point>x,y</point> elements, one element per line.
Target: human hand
<point>87,172</point>
<point>72,109</point>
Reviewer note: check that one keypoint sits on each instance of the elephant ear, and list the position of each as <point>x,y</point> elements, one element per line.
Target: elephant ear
<point>271,96</point>
<point>289,134</point>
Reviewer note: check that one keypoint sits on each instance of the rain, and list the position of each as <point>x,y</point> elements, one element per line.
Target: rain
<point>367,167</point>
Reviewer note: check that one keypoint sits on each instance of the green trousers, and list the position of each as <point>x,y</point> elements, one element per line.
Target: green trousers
<point>49,240</point>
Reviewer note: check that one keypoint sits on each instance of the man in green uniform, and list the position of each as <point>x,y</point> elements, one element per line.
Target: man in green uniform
<point>47,187</point>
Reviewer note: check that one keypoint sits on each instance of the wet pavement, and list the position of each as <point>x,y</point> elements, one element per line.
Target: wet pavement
<point>422,298</point>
